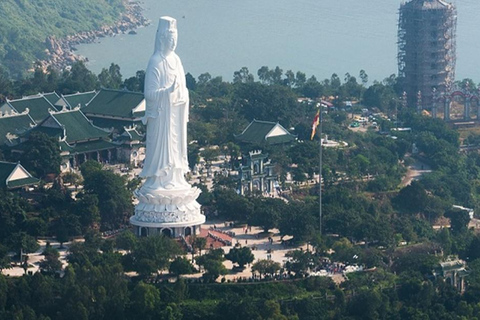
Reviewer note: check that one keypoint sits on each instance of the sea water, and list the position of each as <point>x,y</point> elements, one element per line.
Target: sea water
<point>317,37</point>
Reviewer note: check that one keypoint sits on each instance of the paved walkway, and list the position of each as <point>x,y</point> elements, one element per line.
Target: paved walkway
<point>261,248</point>
<point>414,172</point>
<point>35,258</point>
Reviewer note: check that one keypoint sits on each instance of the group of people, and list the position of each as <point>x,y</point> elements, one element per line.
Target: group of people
<point>333,267</point>
<point>217,238</point>
<point>228,233</point>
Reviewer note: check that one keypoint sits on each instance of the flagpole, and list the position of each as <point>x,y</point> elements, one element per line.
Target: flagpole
<point>317,122</point>
<point>320,172</point>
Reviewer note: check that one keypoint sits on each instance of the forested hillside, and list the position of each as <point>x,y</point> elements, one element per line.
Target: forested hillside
<point>25,24</point>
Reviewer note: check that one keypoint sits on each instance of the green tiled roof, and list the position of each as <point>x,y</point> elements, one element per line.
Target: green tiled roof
<point>134,135</point>
<point>65,146</point>
<point>90,146</point>
<point>6,169</point>
<point>52,132</point>
<point>17,125</point>
<point>114,103</point>
<point>38,106</point>
<point>81,98</point>
<point>130,136</point>
<point>22,183</point>
<point>281,139</point>
<point>52,97</point>
<point>112,123</point>
<point>453,265</point>
<point>78,127</point>
<point>257,131</point>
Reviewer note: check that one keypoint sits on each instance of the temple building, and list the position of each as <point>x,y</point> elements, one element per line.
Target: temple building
<point>111,131</point>
<point>131,146</point>
<point>39,105</point>
<point>264,132</point>
<point>115,109</point>
<point>13,126</point>
<point>256,174</point>
<point>79,99</point>
<point>15,176</point>
<point>453,272</point>
<point>426,49</point>
<point>79,139</point>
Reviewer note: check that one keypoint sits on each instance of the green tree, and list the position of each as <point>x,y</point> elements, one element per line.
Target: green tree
<point>65,226</point>
<point>366,304</point>
<point>473,253</point>
<point>35,227</point>
<point>364,77</point>
<point>24,243</point>
<point>181,266</point>
<point>90,167</point>
<point>271,310</point>
<point>72,178</point>
<point>145,299</point>
<point>79,79</point>
<point>232,206</point>
<point>300,78</point>
<point>111,78</point>
<point>212,262</point>
<point>5,83</point>
<point>42,155</point>
<point>171,312</point>
<point>126,240</point>
<point>241,256</point>
<point>266,213</point>
<point>4,259</point>
<point>86,208</point>
<point>3,293</point>
<point>300,261</point>
<point>12,215</point>
<point>445,239</point>
<point>266,267</point>
<point>204,78</point>
<point>297,221</point>
<point>380,96</point>
<point>198,243</point>
<point>191,82</point>
<point>412,199</point>
<point>272,103</point>
<point>51,263</point>
<point>152,254</point>
<point>116,205</point>
<point>135,83</point>
<point>416,262</point>
<point>459,220</point>
<point>242,76</point>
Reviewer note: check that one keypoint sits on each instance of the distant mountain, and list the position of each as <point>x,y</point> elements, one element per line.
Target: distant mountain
<point>26,24</point>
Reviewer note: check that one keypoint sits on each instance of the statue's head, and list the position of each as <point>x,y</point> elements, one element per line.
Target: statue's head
<point>166,38</point>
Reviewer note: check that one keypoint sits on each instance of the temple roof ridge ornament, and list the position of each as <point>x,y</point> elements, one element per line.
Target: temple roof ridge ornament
<point>255,152</point>
<point>13,113</point>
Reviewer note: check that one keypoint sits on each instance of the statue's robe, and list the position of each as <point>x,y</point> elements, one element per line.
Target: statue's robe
<point>166,117</point>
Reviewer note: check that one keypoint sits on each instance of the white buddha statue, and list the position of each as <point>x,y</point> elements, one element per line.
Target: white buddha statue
<point>166,114</point>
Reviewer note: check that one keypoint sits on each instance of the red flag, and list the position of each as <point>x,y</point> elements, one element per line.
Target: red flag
<point>316,122</point>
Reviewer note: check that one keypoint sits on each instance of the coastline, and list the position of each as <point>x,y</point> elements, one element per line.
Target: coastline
<point>61,52</point>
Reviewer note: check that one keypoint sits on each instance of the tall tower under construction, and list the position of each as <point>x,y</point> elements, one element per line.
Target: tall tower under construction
<point>426,49</point>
